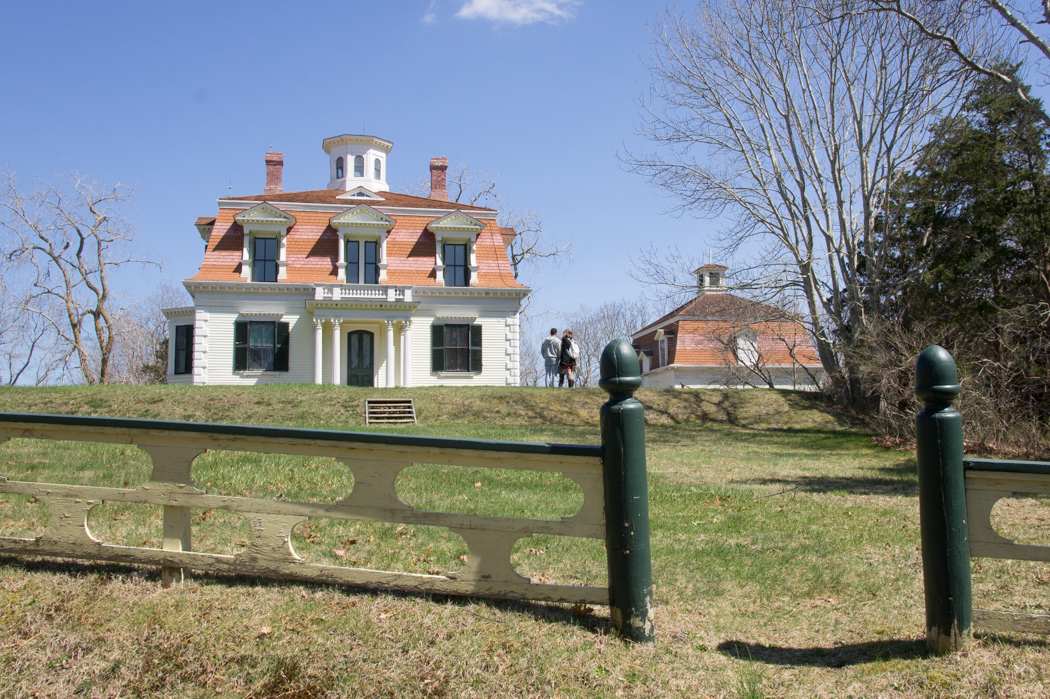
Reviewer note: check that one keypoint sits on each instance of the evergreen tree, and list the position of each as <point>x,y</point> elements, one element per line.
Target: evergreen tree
<point>970,264</point>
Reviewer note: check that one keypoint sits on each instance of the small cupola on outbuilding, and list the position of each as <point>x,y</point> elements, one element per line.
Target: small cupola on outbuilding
<point>357,161</point>
<point>710,278</point>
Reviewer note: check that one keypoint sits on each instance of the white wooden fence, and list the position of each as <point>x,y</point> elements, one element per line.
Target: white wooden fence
<point>375,460</point>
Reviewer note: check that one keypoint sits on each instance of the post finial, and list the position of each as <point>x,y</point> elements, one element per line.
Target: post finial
<point>936,378</point>
<point>620,374</point>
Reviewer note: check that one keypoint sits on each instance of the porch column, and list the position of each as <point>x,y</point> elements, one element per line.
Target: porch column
<point>406,354</point>
<point>336,330</point>
<point>318,344</point>
<point>390,354</point>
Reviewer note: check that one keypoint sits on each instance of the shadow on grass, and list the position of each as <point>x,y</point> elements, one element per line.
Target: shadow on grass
<point>835,656</point>
<point>551,612</point>
<point>900,480</point>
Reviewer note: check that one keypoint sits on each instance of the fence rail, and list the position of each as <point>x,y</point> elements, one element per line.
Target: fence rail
<point>956,497</point>
<point>612,486</point>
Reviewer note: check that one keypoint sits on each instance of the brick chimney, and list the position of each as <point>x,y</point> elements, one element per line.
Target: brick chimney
<point>274,167</point>
<point>438,186</point>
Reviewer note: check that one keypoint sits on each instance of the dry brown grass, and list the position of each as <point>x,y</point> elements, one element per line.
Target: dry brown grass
<point>785,549</point>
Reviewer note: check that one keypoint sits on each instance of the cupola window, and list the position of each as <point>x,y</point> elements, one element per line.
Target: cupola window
<point>359,166</point>
<point>339,168</point>
<point>378,171</point>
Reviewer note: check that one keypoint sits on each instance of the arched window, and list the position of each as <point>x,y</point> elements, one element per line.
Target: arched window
<point>747,349</point>
<point>339,168</point>
<point>378,170</point>
<point>359,166</point>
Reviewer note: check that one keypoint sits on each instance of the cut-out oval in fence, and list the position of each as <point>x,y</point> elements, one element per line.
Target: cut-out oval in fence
<point>379,546</point>
<point>273,476</point>
<point>74,463</point>
<point>23,516</point>
<point>561,560</point>
<point>127,524</point>
<point>489,491</point>
<point>1025,518</point>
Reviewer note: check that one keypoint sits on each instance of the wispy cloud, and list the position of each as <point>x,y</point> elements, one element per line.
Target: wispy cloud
<point>431,16</point>
<point>519,11</point>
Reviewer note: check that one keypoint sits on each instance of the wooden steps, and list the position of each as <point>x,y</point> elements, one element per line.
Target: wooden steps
<point>380,410</point>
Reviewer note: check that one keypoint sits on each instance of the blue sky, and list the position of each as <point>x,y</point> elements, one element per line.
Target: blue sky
<point>183,99</point>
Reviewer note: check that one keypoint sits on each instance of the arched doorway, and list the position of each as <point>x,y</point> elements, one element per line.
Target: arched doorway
<point>359,358</point>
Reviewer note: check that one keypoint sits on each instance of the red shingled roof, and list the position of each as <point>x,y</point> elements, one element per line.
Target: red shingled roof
<point>722,306</point>
<point>330,196</point>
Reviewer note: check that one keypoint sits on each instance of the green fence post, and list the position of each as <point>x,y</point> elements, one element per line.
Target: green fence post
<point>942,504</point>
<point>626,495</point>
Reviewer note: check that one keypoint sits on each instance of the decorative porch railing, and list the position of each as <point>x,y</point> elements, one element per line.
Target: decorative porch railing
<point>956,497</point>
<point>368,292</point>
<point>611,476</point>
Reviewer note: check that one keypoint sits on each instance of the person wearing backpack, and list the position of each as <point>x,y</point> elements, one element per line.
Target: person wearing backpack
<point>570,352</point>
<point>551,351</point>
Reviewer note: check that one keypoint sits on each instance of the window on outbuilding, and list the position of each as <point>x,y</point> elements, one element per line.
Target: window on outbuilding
<point>260,346</point>
<point>455,348</point>
<point>747,349</point>
<point>183,349</point>
<point>359,166</point>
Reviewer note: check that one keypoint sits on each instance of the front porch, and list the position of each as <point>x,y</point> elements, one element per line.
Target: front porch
<point>362,335</point>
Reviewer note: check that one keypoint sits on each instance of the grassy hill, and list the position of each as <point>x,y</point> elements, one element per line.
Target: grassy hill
<point>785,558</point>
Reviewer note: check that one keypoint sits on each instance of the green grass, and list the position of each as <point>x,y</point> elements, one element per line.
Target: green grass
<point>785,561</point>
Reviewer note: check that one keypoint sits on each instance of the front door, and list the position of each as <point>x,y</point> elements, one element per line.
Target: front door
<point>359,344</point>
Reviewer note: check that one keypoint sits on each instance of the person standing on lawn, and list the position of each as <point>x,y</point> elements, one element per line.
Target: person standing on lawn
<point>551,351</point>
<point>570,352</point>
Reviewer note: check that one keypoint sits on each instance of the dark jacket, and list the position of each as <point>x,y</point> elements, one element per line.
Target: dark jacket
<point>565,358</point>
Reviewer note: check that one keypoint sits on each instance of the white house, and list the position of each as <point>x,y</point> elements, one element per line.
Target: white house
<point>352,284</point>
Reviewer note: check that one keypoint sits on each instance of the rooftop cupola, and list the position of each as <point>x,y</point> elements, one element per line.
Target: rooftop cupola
<point>357,161</point>
<point>710,278</point>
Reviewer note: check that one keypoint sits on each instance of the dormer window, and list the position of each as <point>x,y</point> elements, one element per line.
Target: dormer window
<point>362,262</point>
<point>378,170</point>
<point>359,166</point>
<point>457,273</point>
<point>339,168</point>
<point>265,253</point>
<point>264,259</point>
<point>362,249</point>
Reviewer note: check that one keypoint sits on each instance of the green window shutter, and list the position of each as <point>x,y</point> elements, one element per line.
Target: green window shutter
<point>475,348</point>
<point>189,349</point>
<point>437,347</point>
<point>240,346</point>
<point>280,355</point>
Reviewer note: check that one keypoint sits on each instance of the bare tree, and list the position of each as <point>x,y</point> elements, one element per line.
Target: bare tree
<point>793,122</point>
<point>983,35</point>
<point>530,247</point>
<point>28,352</point>
<point>68,240</point>
<point>593,329</point>
<point>760,341</point>
<point>140,353</point>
